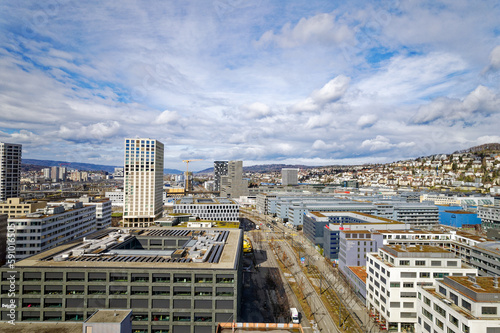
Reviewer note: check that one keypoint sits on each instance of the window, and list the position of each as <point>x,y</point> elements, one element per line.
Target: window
<point>489,310</point>
<point>427,301</point>
<point>440,310</point>
<point>404,263</point>
<point>442,290</point>
<point>453,320</point>
<point>420,263</point>
<point>395,284</point>
<point>407,284</point>
<point>466,305</point>
<point>465,328</point>
<point>427,313</point>
<point>439,323</point>
<point>408,275</point>
<point>451,263</point>
<point>425,274</point>
<point>435,263</point>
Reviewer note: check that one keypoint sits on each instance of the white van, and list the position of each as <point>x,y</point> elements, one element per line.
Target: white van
<point>295,315</point>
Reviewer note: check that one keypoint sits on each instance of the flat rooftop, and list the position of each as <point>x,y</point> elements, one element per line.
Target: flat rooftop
<point>205,201</point>
<point>417,249</point>
<point>41,327</point>
<point>359,271</point>
<point>362,217</point>
<point>109,316</point>
<point>206,249</point>
<point>480,284</point>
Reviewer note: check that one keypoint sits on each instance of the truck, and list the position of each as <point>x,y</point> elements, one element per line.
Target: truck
<point>295,315</point>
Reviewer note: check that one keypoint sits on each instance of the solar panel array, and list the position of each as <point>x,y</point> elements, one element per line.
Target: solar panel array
<point>170,233</point>
<point>138,259</point>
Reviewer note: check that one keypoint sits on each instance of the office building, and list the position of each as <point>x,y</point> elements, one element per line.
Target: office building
<point>289,176</point>
<point>323,228</point>
<point>103,210</point>
<point>54,225</point>
<point>354,246</point>
<point>54,174</point>
<point>116,197</point>
<point>215,209</point>
<point>220,169</point>
<point>143,184</point>
<point>233,185</point>
<point>10,170</point>
<point>15,207</point>
<point>459,304</point>
<point>173,280</point>
<point>393,274</point>
<point>490,217</point>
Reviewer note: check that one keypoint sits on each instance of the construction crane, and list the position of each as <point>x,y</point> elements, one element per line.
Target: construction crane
<point>187,187</point>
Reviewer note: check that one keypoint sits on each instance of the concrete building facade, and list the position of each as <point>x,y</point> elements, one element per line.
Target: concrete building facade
<point>15,207</point>
<point>220,169</point>
<point>143,182</point>
<point>10,170</point>
<point>173,280</point>
<point>233,185</point>
<point>395,272</point>
<point>289,176</point>
<point>54,225</point>
<point>459,304</point>
<point>215,209</point>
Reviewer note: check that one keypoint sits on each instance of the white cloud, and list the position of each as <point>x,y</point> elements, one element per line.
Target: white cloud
<point>329,93</point>
<point>383,143</point>
<point>95,132</point>
<point>320,29</point>
<point>481,101</point>
<point>322,145</point>
<point>167,117</point>
<point>255,110</point>
<point>367,120</point>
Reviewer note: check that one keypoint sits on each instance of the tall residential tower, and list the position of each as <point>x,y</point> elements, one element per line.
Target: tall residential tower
<point>143,201</point>
<point>10,170</point>
<point>220,169</point>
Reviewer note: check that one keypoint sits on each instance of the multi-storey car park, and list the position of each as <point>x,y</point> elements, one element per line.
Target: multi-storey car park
<point>173,280</point>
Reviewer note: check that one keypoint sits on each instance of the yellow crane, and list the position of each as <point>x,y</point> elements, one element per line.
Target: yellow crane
<point>187,172</point>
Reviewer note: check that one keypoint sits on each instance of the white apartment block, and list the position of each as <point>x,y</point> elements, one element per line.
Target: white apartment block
<point>116,197</point>
<point>490,216</point>
<point>217,209</point>
<point>393,274</point>
<point>10,170</point>
<point>459,304</point>
<point>143,183</point>
<point>52,226</point>
<point>102,210</point>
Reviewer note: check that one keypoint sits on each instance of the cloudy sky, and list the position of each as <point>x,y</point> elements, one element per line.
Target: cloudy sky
<point>302,82</point>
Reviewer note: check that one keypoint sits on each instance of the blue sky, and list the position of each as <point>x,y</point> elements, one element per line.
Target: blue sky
<point>299,82</point>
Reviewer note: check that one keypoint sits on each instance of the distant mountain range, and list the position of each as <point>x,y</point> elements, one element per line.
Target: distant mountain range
<point>82,166</point>
<point>489,148</point>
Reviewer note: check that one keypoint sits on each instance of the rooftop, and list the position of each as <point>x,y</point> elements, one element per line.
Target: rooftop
<point>478,284</point>
<point>419,248</point>
<point>205,201</point>
<point>208,249</point>
<point>41,327</point>
<point>359,271</point>
<point>109,316</point>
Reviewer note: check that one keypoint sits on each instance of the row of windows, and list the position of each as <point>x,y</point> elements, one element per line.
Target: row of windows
<point>123,277</point>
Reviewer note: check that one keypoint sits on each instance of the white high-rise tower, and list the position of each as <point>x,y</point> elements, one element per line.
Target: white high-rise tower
<point>143,182</point>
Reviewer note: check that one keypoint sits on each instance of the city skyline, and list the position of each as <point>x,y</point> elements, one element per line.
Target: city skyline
<point>264,82</point>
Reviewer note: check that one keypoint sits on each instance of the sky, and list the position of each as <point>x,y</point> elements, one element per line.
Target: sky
<point>266,82</point>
